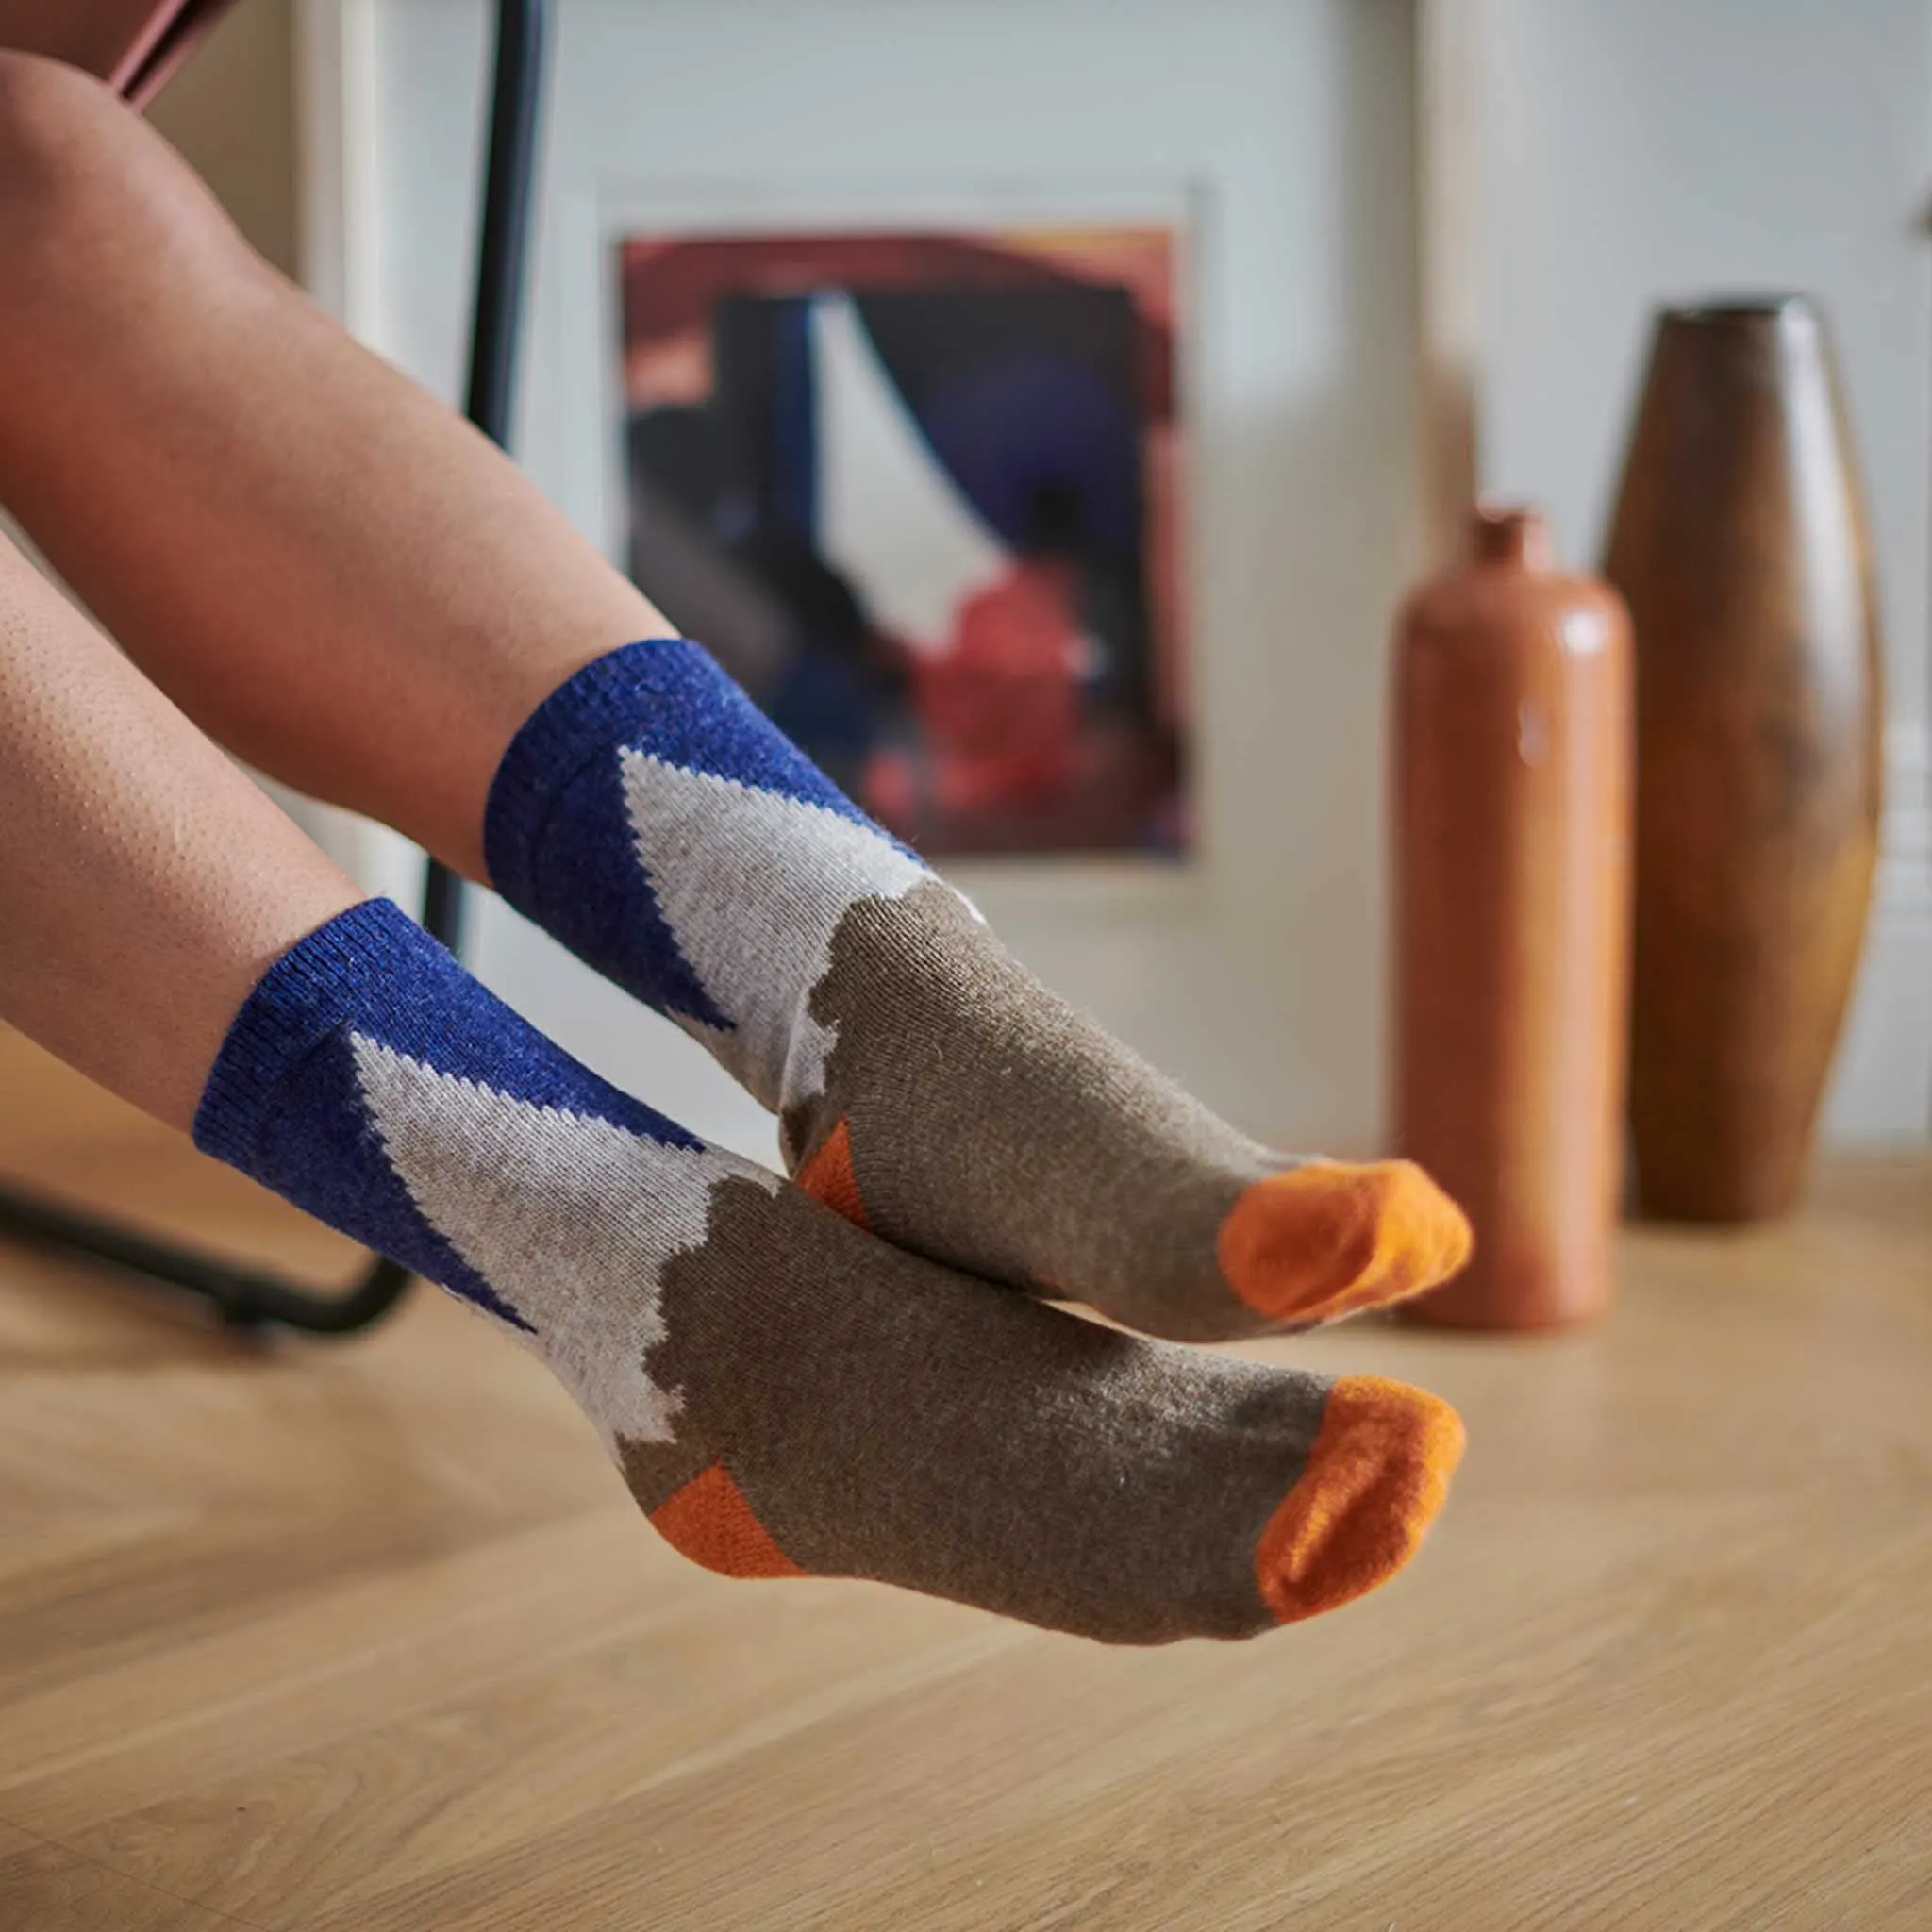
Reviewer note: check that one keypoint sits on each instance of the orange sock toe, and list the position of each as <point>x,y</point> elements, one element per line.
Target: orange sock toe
<point>1328,1238</point>
<point>1376,1478</point>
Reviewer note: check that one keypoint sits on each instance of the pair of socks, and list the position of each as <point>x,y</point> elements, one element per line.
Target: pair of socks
<point>836,1376</point>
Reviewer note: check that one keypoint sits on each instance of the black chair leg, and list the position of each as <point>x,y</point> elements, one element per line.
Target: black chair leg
<point>246,1297</point>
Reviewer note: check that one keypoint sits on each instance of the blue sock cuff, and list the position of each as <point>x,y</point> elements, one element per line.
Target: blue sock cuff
<point>558,837</point>
<point>315,988</point>
<point>667,696</point>
<point>285,1102</point>
<point>584,718</point>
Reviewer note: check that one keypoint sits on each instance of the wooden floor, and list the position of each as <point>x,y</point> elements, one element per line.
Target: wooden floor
<point>367,1637</point>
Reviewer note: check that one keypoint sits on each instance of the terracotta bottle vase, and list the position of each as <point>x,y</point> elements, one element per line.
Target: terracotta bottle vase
<point>1740,545</point>
<point>1512,758</point>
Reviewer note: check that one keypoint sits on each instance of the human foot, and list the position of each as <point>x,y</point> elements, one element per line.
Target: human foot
<point>649,817</point>
<point>784,1394</point>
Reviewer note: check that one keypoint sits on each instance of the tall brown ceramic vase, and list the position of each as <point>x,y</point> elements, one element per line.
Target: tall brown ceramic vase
<point>1740,545</point>
<point>1512,760</point>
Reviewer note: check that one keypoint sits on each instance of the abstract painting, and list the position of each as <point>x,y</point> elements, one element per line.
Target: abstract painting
<point>920,493</point>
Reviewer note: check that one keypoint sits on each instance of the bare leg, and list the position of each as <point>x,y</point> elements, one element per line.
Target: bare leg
<point>146,883</point>
<point>330,571</point>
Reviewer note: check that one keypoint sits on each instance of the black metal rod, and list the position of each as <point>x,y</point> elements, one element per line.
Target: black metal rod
<point>245,1297</point>
<point>497,315</point>
<point>502,244</point>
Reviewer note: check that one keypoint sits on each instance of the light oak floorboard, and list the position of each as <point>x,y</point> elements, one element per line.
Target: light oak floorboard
<point>367,1638</point>
<point>46,1888</point>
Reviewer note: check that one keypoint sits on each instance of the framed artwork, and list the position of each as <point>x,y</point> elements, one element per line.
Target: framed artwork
<point>812,336</point>
<point>918,488</point>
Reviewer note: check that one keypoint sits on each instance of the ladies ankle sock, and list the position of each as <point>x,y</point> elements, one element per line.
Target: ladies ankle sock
<point>652,819</point>
<point>784,1394</point>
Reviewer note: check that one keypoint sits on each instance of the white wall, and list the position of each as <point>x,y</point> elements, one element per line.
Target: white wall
<point>1637,150</point>
<point>230,110</point>
<point>1255,977</point>
<point>1645,151</point>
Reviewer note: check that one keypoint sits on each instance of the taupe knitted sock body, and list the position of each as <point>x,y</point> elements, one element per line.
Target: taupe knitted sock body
<point>928,1088</point>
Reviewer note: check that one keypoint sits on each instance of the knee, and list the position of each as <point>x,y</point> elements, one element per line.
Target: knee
<point>53,118</point>
<point>84,182</point>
